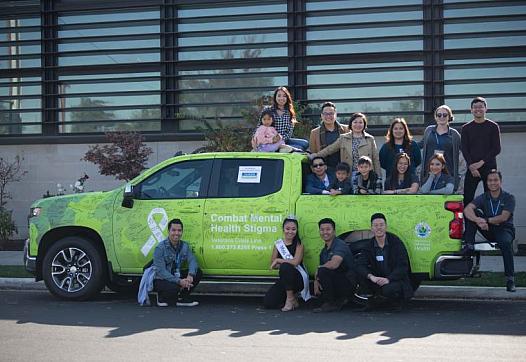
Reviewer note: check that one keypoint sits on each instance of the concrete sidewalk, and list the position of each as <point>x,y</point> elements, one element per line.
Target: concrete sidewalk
<point>424,292</point>
<point>487,263</point>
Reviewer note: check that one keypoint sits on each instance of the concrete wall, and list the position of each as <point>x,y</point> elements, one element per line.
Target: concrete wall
<point>48,165</point>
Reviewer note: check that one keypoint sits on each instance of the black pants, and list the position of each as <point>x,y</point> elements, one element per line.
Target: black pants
<point>335,284</point>
<point>471,183</point>
<point>394,290</point>
<point>502,235</point>
<point>169,292</point>
<point>289,279</point>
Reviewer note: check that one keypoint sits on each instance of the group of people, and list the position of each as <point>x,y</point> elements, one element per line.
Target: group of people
<point>381,269</point>
<point>345,160</point>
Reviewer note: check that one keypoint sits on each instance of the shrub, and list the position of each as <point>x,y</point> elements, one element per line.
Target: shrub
<point>125,157</point>
<point>7,225</point>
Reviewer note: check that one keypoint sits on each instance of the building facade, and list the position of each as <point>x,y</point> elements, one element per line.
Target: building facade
<point>71,70</point>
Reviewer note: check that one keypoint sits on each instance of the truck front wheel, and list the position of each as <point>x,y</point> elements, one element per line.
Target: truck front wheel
<point>72,269</point>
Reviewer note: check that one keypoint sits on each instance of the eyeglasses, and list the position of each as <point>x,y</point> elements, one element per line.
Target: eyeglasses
<point>316,165</point>
<point>328,114</point>
<point>442,115</point>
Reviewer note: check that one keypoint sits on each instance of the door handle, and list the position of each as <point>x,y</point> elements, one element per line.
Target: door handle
<point>189,211</point>
<point>272,210</point>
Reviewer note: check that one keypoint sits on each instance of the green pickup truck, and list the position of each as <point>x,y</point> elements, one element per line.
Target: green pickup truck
<point>232,206</point>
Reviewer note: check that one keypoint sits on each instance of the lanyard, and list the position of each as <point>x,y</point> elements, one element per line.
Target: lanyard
<point>496,210</point>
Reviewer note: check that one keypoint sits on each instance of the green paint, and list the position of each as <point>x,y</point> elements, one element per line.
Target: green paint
<point>236,236</point>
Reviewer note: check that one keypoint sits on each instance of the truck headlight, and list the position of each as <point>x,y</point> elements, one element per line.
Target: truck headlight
<point>34,211</point>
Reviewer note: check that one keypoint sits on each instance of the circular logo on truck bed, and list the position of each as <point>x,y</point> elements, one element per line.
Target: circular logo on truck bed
<point>422,230</point>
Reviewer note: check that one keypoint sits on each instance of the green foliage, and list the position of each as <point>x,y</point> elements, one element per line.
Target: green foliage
<point>7,225</point>
<point>223,138</point>
<point>125,157</point>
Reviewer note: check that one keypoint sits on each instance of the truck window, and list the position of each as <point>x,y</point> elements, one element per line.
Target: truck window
<point>181,180</point>
<point>247,177</point>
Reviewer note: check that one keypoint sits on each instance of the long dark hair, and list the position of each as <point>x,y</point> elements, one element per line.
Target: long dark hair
<point>389,138</point>
<point>289,105</point>
<point>394,172</point>
<point>296,239</point>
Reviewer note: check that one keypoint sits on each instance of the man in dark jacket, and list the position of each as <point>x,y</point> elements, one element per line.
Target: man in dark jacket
<point>383,266</point>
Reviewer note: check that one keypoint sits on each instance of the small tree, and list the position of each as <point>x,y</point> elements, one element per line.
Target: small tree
<point>9,172</point>
<point>125,157</point>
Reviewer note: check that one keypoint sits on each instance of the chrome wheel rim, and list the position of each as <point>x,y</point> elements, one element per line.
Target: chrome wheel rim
<point>71,269</point>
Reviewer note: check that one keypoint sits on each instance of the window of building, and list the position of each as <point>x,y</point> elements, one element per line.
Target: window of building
<point>20,105</point>
<point>381,90</point>
<point>244,30</point>
<point>489,31</point>
<point>223,96</point>
<point>109,102</point>
<point>183,180</point>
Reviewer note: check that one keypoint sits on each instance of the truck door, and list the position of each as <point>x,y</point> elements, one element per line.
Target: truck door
<point>176,191</point>
<point>246,206</point>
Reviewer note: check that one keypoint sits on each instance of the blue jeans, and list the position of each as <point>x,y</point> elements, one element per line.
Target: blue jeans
<point>502,235</point>
<point>298,143</point>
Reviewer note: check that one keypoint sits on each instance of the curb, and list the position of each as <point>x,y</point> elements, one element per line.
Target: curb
<point>475,293</point>
<point>424,292</point>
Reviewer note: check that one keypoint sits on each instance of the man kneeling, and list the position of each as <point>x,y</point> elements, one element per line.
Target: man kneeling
<point>383,267</point>
<point>334,281</point>
<point>172,283</point>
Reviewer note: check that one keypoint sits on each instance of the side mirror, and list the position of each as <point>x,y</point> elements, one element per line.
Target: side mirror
<point>128,195</point>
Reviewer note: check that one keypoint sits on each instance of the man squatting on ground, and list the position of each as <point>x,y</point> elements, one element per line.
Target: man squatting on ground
<point>383,268</point>
<point>334,280</point>
<point>172,283</point>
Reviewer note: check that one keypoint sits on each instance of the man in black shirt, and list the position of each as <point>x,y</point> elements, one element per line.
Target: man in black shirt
<point>480,143</point>
<point>334,281</point>
<point>492,214</point>
<point>383,266</point>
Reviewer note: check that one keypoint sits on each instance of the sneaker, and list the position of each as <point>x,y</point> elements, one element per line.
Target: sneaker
<point>160,302</point>
<point>185,302</point>
<point>468,249</point>
<point>327,308</point>
<point>510,286</point>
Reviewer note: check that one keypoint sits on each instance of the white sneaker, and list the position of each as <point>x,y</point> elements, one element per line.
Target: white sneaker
<point>187,303</point>
<point>159,303</point>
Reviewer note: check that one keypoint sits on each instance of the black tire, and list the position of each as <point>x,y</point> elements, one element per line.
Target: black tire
<point>73,269</point>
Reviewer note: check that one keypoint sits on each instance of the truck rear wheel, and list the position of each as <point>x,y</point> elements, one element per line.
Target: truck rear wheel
<point>72,269</point>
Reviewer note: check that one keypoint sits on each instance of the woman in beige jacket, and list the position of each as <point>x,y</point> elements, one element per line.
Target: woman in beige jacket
<point>354,144</point>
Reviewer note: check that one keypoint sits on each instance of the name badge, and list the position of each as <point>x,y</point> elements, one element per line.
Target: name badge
<point>380,258</point>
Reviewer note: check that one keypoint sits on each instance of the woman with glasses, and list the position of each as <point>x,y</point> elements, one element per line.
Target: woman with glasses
<point>398,140</point>
<point>354,144</point>
<point>442,139</point>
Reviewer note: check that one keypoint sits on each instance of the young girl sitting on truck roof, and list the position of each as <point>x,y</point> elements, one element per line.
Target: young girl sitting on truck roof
<point>266,138</point>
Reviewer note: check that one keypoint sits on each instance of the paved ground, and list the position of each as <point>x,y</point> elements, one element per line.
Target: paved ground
<point>487,263</point>
<point>34,325</point>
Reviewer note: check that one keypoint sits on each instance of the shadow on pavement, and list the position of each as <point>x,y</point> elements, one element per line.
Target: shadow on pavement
<point>246,316</point>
